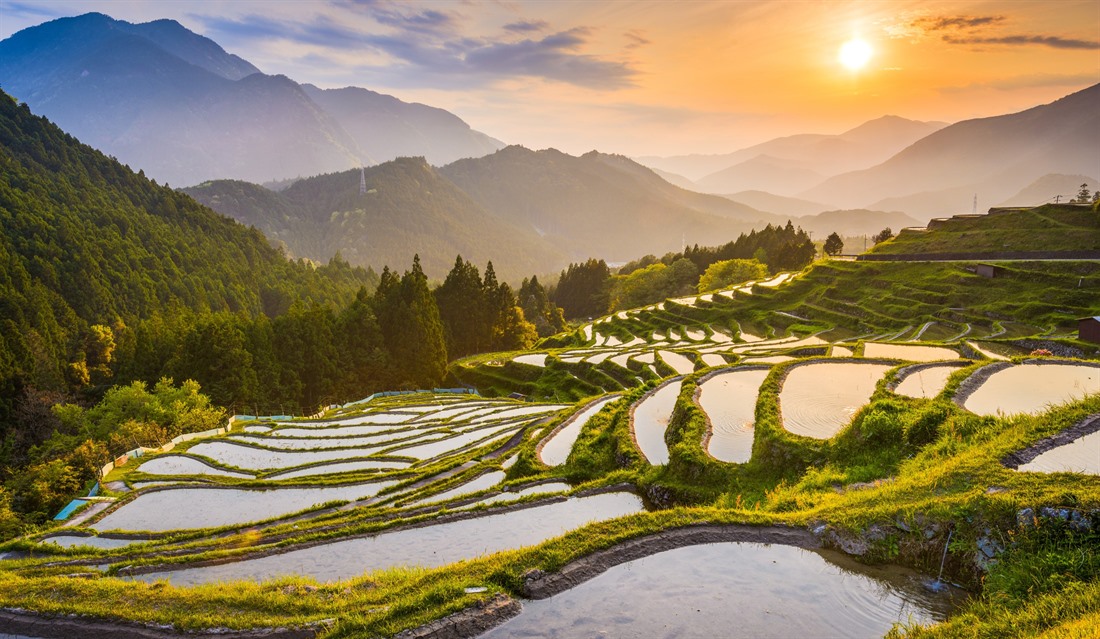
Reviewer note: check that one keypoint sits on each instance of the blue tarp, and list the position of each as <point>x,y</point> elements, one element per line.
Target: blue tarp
<point>68,510</point>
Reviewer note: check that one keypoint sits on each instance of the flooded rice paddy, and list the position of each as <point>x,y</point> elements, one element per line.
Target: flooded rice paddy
<point>679,363</point>
<point>820,398</point>
<point>428,546</point>
<point>556,449</point>
<point>76,541</point>
<point>729,400</point>
<point>180,465</point>
<point>190,508</point>
<point>912,353</point>
<point>927,382</point>
<point>1032,388</point>
<point>650,419</point>
<point>247,457</point>
<point>1082,455</point>
<point>734,590</point>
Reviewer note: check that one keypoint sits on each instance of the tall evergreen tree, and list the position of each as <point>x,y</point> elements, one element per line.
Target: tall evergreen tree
<point>461,300</point>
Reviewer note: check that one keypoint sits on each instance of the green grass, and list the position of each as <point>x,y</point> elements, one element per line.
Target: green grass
<point>1047,227</point>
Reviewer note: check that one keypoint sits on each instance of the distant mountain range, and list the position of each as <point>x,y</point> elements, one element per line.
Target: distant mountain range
<point>790,164</point>
<point>992,158</point>
<point>173,103</point>
<point>530,212</point>
<point>408,208</point>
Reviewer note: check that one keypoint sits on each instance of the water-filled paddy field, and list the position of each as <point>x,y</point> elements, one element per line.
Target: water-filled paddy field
<point>650,421</point>
<point>729,400</point>
<point>818,399</point>
<point>434,545</point>
<point>734,590</point>
<point>1032,388</point>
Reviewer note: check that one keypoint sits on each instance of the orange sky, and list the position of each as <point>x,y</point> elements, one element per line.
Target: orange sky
<point>653,77</point>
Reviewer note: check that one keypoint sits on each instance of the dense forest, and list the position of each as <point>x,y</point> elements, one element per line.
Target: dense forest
<point>590,288</point>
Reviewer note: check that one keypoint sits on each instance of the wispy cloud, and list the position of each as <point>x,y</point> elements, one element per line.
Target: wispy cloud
<point>636,39</point>
<point>985,30</point>
<point>28,10</point>
<point>942,23</point>
<point>429,48</point>
<point>527,26</point>
<point>1025,40</point>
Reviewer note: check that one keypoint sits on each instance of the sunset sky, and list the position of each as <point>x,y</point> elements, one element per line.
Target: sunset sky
<point>652,78</point>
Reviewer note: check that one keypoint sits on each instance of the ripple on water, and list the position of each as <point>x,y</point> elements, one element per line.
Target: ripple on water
<point>729,400</point>
<point>1082,455</point>
<point>819,399</point>
<point>556,449</point>
<point>925,382</point>
<point>1032,388</point>
<point>650,421</point>
<point>429,546</point>
<point>910,352</point>
<point>761,590</point>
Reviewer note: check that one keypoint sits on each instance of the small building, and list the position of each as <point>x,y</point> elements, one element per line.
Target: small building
<point>1088,329</point>
<point>989,270</point>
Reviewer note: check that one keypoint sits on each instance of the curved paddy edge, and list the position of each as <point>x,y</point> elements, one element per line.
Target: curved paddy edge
<point>1086,426</point>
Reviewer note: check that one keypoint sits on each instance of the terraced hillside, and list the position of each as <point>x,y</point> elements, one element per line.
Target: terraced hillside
<point>1050,227</point>
<point>747,415</point>
<point>832,308</point>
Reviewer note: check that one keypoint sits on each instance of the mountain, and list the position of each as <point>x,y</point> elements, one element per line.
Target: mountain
<point>764,173</point>
<point>387,128</point>
<point>991,157</point>
<point>777,204</point>
<point>861,147</point>
<point>86,241</point>
<point>408,208</point>
<point>854,222</point>
<point>1047,188</point>
<point>177,106</point>
<point>677,180</point>
<point>600,205</point>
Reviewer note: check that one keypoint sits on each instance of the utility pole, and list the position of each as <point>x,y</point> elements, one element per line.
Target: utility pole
<point>1057,199</point>
<point>974,209</point>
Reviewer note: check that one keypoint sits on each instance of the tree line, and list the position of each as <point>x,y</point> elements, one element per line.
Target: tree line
<point>590,288</point>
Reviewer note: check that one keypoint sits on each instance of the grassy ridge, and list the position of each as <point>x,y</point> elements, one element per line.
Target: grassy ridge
<point>1044,228</point>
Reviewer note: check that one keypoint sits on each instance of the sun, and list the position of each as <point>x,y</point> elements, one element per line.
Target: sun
<point>854,54</point>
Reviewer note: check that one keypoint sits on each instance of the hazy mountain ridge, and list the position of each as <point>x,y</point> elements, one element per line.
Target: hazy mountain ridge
<point>598,205</point>
<point>865,145</point>
<point>397,129</point>
<point>176,105</point>
<point>408,208</point>
<point>991,157</point>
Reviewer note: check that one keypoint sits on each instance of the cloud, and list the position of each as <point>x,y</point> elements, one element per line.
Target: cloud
<point>636,39</point>
<point>981,30</point>
<point>527,26</point>
<point>321,31</point>
<point>944,23</point>
<point>1026,40</point>
<point>428,49</point>
<point>422,22</point>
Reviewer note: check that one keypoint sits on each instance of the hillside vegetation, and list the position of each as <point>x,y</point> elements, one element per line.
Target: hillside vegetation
<point>1050,227</point>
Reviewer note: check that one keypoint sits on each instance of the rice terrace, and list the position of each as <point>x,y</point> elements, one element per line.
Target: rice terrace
<point>703,395</point>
